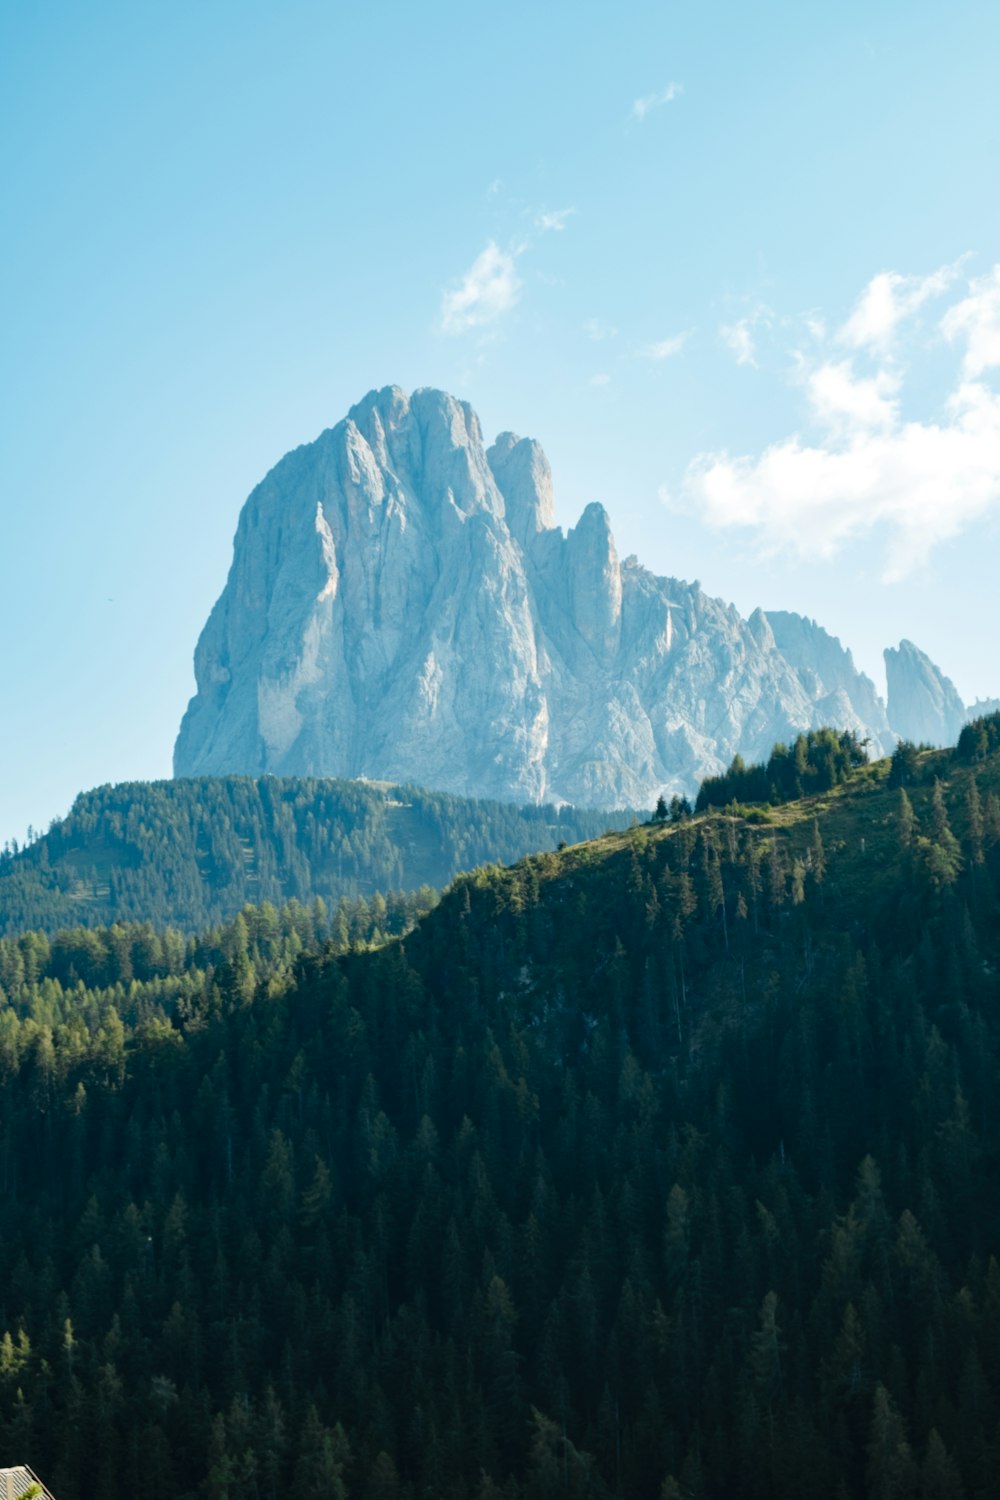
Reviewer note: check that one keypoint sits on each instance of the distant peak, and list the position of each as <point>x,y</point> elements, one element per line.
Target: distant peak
<point>760,629</point>
<point>595,518</point>
<point>391,401</point>
<point>524,478</point>
<point>390,406</point>
<point>504,444</point>
<point>923,703</point>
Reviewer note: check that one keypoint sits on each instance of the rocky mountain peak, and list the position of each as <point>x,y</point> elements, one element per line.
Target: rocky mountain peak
<point>760,628</point>
<point>402,606</point>
<point>827,672</point>
<point>924,705</point>
<point>595,580</point>
<point>524,478</point>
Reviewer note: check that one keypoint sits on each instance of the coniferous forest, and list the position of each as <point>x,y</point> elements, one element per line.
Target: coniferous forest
<point>191,853</point>
<point>661,1166</point>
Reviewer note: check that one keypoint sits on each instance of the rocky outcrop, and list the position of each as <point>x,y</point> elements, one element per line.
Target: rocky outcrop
<point>843,695</point>
<point>401,606</point>
<point>923,703</point>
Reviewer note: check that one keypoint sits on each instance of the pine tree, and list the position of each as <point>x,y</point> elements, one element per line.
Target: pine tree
<point>974,826</point>
<point>939,1474</point>
<point>905,819</point>
<point>892,1474</point>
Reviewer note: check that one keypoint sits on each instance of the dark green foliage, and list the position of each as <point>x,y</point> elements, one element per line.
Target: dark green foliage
<point>664,1166</point>
<point>190,853</point>
<point>680,809</point>
<point>904,764</point>
<point>677,812</point>
<point>980,737</point>
<point>816,762</point>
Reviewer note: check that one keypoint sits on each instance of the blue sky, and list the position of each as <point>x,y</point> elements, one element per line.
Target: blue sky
<point>732,265</point>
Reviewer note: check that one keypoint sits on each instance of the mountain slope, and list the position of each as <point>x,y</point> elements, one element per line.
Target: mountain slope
<point>664,1165</point>
<point>191,853</point>
<point>400,605</point>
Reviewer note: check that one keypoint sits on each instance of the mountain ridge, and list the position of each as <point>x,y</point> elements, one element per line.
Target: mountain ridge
<point>190,853</point>
<point>401,606</point>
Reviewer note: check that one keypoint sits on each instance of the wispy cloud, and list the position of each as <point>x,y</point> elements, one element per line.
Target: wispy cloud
<point>977,318</point>
<point>867,465</point>
<point>556,220</point>
<point>596,330</point>
<point>489,288</point>
<point>642,107</point>
<point>666,348</point>
<point>601,379</point>
<point>741,337</point>
<point>887,302</point>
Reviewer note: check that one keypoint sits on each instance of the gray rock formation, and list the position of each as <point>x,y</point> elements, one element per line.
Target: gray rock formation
<point>843,695</point>
<point>401,606</point>
<point>923,704</point>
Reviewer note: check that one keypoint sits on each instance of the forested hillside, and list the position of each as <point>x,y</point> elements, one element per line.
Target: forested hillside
<point>191,853</point>
<point>664,1166</point>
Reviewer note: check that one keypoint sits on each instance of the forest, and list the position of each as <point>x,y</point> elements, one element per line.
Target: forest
<point>815,762</point>
<point>663,1165</point>
<point>191,853</point>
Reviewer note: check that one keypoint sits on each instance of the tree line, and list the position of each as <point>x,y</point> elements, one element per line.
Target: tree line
<point>191,853</point>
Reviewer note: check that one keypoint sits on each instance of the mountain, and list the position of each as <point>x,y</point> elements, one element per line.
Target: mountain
<point>190,854</point>
<point>844,697</point>
<point>401,606</point>
<point>923,704</point>
<point>660,1166</point>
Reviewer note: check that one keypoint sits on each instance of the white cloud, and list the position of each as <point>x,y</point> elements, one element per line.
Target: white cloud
<point>556,220</point>
<point>489,288</point>
<point>666,348</point>
<point>596,330</point>
<point>641,107</point>
<point>887,301</point>
<point>870,467</point>
<point>927,482</point>
<point>977,316</point>
<point>740,337</point>
<point>841,400</point>
<point>601,379</point>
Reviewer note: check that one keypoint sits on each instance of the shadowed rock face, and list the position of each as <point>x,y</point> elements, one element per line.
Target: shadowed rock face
<point>924,705</point>
<point>401,606</point>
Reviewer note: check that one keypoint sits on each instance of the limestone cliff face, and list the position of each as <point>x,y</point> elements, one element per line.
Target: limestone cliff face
<point>401,606</point>
<point>843,695</point>
<point>924,705</point>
